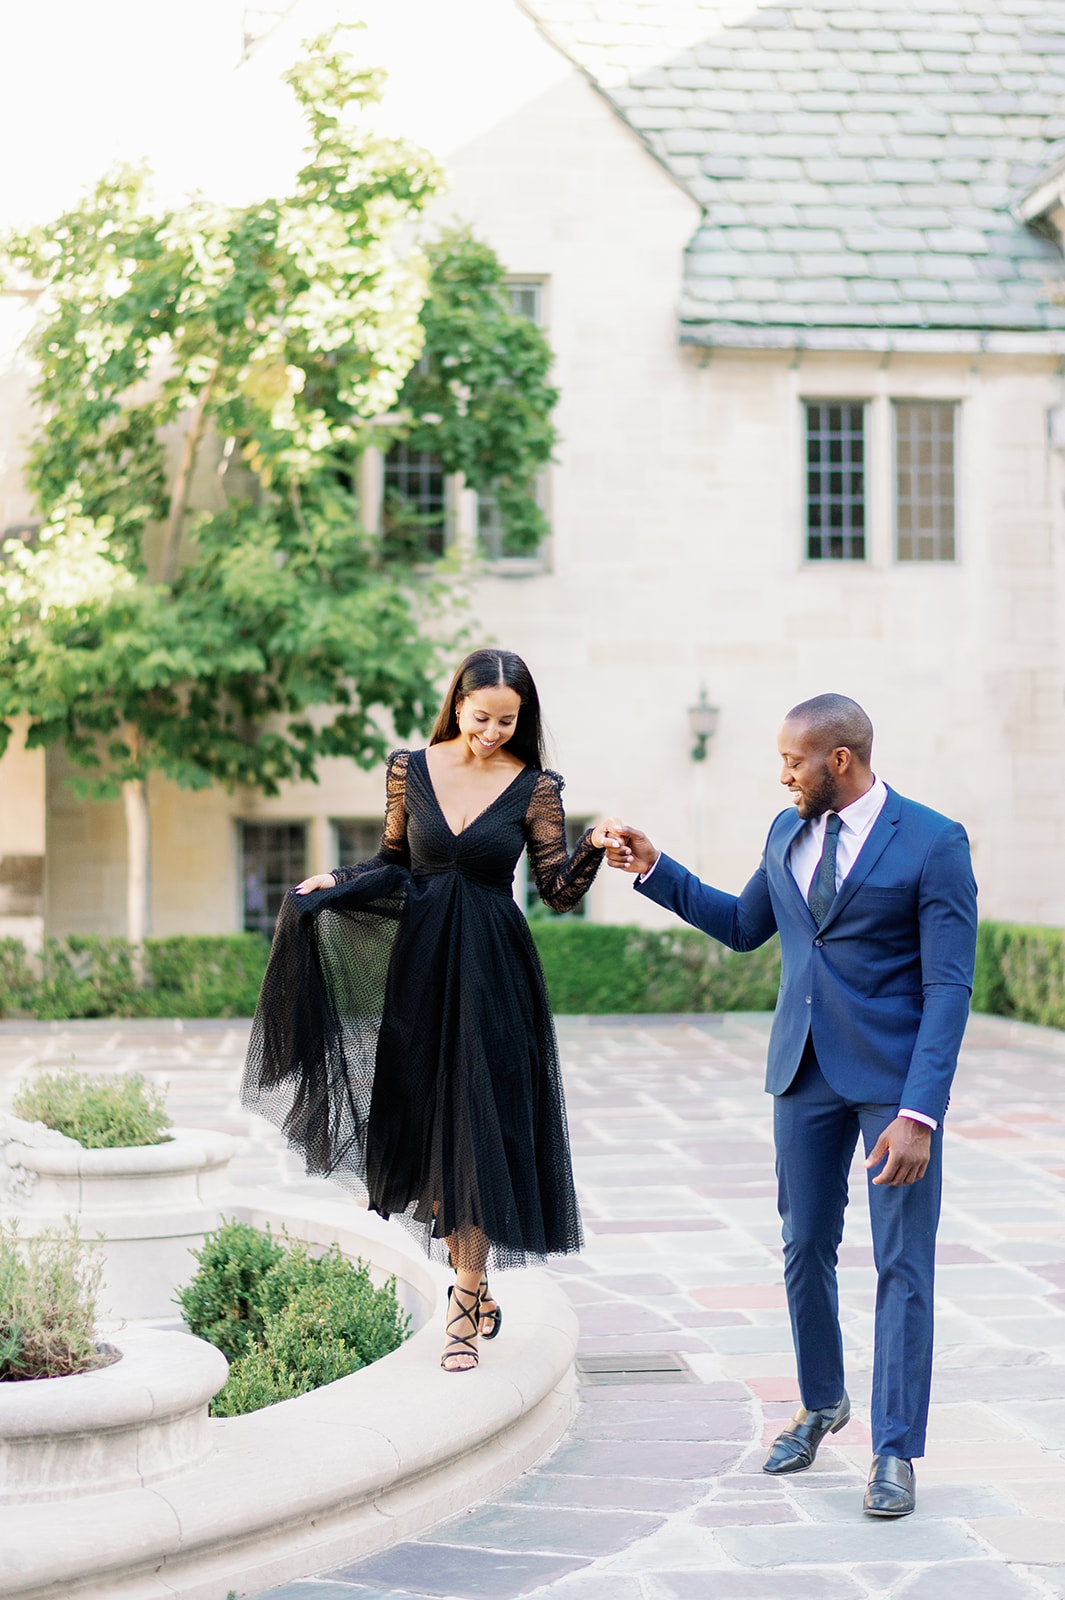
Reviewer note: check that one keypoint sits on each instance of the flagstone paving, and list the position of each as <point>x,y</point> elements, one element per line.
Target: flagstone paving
<point>657,1492</point>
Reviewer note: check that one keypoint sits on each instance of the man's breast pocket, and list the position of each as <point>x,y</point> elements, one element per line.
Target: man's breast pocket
<point>886,904</point>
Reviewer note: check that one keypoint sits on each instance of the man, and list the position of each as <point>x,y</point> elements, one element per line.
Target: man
<point>874,900</point>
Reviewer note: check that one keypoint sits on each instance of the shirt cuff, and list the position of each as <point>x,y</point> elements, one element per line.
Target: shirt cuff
<point>919,1116</point>
<point>642,877</point>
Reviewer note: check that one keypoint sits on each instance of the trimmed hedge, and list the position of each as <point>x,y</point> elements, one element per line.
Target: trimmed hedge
<point>188,975</point>
<point>1020,972</point>
<point>591,968</point>
<point>597,967</point>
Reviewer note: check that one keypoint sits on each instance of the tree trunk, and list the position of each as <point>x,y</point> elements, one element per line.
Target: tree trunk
<point>138,869</point>
<point>179,497</point>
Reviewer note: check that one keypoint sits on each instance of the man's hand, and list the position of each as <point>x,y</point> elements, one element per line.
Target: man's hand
<point>907,1145</point>
<point>632,852</point>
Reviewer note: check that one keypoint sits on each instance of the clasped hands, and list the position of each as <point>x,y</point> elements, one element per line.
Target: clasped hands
<point>627,848</point>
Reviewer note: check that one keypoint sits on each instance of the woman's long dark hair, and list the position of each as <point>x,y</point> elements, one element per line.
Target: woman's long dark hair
<point>494,669</point>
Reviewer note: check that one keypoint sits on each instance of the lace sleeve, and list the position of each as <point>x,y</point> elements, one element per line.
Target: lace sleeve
<point>563,880</point>
<point>394,850</point>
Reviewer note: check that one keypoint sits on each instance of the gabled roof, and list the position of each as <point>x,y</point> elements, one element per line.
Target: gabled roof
<point>862,163</point>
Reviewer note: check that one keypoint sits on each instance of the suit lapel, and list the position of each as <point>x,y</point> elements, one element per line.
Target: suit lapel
<point>779,870</point>
<point>879,837</point>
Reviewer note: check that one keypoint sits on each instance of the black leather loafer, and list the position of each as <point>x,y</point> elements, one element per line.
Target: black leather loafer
<point>794,1449</point>
<point>892,1488</point>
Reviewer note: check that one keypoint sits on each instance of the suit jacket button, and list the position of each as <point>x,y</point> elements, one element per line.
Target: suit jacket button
<point>819,943</point>
<point>808,1001</point>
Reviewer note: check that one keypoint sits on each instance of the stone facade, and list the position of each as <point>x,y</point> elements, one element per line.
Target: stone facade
<point>678,556</point>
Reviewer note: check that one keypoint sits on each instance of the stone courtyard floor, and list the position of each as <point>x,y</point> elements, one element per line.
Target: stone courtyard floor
<point>657,1492</point>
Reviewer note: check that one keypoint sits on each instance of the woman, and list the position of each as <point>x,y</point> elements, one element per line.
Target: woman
<point>403,1039</point>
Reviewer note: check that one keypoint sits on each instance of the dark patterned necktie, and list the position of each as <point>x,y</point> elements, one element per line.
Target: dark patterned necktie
<point>823,888</point>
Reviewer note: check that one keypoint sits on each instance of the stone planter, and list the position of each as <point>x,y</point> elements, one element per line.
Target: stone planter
<point>124,1426</point>
<point>151,1204</point>
<point>117,1483</point>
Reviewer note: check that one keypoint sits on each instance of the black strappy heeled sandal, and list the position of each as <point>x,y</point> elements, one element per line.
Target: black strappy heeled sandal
<point>462,1344</point>
<point>495,1317</point>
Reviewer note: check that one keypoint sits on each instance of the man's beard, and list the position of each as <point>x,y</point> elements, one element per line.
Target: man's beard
<point>823,797</point>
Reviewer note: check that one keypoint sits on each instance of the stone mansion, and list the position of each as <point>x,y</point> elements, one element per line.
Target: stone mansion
<point>800,263</point>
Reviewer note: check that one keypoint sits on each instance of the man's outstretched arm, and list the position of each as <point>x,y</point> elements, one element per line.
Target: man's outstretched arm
<point>740,921</point>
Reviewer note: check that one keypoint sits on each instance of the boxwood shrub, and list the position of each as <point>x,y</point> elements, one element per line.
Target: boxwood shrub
<point>287,1321</point>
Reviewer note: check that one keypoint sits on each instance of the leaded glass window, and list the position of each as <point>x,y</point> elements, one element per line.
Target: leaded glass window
<point>415,508</point>
<point>273,861</point>
<point>835,480</point>
<point>526,300</point>
<point>357,839</point>
<point>924,480</point>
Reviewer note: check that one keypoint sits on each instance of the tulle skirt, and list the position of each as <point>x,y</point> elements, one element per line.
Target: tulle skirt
<point>403,1042</point>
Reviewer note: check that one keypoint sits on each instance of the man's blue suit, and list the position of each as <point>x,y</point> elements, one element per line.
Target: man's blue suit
<point>879,995</point>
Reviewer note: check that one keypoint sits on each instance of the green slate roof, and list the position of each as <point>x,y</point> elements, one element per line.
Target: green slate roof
<point>861,163</point>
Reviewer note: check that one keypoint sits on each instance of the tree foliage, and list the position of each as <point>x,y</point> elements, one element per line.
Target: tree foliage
<point>202,600</point>
<point>480,397</point>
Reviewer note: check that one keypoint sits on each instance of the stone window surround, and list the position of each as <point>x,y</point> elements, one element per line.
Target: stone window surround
<point>879,398</point>
<point>353,839</point>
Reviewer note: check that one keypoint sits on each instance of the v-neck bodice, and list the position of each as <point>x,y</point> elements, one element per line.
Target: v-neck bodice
<point>487,848</point>
<point>457,833</point>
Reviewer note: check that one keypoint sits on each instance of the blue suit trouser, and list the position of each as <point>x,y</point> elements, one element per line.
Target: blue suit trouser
<point>816,1131</point>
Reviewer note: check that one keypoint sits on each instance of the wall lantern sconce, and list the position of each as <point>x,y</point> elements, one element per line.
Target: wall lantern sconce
<point>702,720</point>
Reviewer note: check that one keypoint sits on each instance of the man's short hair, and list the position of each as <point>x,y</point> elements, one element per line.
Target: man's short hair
<point>838,722</point>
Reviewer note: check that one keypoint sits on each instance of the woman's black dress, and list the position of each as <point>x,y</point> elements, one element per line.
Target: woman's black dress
<point>403,1039</point>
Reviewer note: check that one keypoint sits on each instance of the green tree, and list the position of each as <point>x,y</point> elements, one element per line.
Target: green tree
<point>201,600</point>
<point>480,398</point>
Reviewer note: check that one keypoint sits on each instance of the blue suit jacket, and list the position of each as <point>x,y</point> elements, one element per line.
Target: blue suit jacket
<point>884,984</point>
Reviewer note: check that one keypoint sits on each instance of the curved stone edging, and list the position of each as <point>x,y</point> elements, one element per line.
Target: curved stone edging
<point>332,1476</point>
<point>188,1150</point>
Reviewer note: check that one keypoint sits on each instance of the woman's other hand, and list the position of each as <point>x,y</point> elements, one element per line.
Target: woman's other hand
<point>321,880</point>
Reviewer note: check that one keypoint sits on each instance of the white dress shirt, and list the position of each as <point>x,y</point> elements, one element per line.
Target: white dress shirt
<point>855,823</point>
